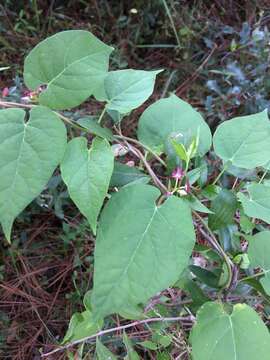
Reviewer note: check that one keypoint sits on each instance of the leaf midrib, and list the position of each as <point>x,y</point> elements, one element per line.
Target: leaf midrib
<point>66,68</point>
<point>124,272</point>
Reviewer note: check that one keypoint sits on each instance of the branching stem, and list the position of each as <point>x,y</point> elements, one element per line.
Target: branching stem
<point>214,243</point>
<point>118,328</point>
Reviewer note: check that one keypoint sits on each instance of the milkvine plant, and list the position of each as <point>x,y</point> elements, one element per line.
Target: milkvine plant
<point>146,218</point>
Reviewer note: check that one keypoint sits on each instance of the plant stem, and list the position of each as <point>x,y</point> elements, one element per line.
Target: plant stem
<point>172,22</point>
<point>118,328</point>
<point>214,242</point>
<point>263,176</point>
<point>135,151</point>
<point>101,115</point>
<point>220,174</point>
<point>156,180</point>
<point>70,122</point>
<point>253,276</point>
<point>121,137</point>
<point>9,104</point>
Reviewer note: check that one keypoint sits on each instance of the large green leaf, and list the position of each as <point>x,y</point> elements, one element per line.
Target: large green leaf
<point>81,325</point>
<point>223,207</point>
<point>72,64</point>
<point>258,253</point>
<point>244,141</point>
<point>128,89</point>
<point>240,335</point>
<point>141,248</point>
<point>173,117</point>
<point>257,203</point>
<point>87,174</point>
<point>29,153</point>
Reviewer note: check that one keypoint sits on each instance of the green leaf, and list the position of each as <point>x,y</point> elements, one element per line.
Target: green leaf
<point>240,335</point>
<point>92,125</point>
<point>124,174</point>
<point>257,203</point>
<point>131,353</point>
<point>87,174</point>
<point>72,64</point>
<point>103,353</point>
<point>81,325</point>
<point>258,253</point>
<point>244,141</point>
<point>136,236</point>
<point>196,205</point>
<point>173,117</point>
<point>149,345</point>
<point>256,285</point>
<point>29,153</point>
<point>185,282</point>
<point>246,224</point>
<point>133,313</point>
<point>210,191</point>
<point>205,276</point>
<point>180,150</point>
<point>224,207</point>
<point>128,89</point>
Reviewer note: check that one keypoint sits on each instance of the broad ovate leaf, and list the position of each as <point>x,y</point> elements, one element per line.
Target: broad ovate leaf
<point>244,141</point>
<point>128,89</point>
<point>173,118</point>
<point>258,253</point>
<point>29,153</point>
<point>71,65</point>
<point>240,335</point>
<point>257,203</point>
<point>141,248</point>
<point>87,174</point>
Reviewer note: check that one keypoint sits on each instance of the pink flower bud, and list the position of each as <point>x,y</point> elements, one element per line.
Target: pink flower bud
<point>5,92</point>
<point>178,173</point>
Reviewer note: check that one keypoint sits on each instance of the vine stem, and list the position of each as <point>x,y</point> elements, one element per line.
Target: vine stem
<point>101,115</point>
<point>121,137</point>
<point>9,104</point>
<point>72,123</point>
<point>213,241</point>
<point>138,154</point>
<point>263,175</point>
<point>115,329</point>
<point>135,151</point>
<point>254,276</point>
<point>220,174</point>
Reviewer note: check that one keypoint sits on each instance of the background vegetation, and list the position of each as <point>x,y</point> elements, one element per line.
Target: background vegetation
<point>215,55</point>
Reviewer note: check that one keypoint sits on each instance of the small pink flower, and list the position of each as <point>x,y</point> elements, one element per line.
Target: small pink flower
<point>178,173</point>
<point>130,163</point>
<point>5,92</point>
